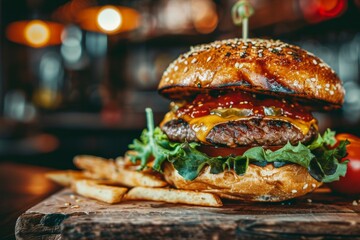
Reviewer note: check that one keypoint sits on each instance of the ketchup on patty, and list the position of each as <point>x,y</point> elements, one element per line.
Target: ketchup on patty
<point>205,104</point>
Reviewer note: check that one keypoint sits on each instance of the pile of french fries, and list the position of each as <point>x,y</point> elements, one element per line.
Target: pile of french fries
<point>114,181</point>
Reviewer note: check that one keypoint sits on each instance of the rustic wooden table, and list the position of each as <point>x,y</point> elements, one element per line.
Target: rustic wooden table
<point>21,187</point>
<point>327,216</point>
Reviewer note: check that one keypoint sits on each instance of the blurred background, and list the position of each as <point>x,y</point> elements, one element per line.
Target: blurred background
<point>76,75</point>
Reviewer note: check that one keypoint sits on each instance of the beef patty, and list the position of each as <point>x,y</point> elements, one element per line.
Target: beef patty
<point>253,132</point>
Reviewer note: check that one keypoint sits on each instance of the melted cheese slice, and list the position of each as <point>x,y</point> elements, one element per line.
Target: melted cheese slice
<point>203,125</point>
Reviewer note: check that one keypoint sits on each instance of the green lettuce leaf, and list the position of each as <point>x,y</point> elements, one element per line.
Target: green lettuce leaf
<point>321,160</point>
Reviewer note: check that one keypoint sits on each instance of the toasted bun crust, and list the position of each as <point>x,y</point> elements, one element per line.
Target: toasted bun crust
<point>256,65</point>
<point>260,184</point>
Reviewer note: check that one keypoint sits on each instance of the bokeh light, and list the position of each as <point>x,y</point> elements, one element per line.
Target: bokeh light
<point>109,19</point>
<point>37,33</point>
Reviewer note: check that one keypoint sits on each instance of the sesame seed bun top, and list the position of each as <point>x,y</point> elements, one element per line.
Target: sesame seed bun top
<point>256,65</point>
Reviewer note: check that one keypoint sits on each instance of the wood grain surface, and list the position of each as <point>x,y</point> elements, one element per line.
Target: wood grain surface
<point>327,217</point>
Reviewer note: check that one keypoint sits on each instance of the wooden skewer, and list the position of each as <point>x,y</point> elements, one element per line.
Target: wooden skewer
<point>241,11</point>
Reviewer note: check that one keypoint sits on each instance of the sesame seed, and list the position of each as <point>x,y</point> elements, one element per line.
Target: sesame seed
<point>313,185</point>
<point>67,204</point>
<point>312,79</point>
<point>208,59</point>
<point>186,69</point>
<point>72,196</point>
<point>293,191</point>
<point>314,61</point>
<point>237,65</point>
<point>244,47</point>
<point>218,46</point>
<point>331,92</point>
<point>186,62</point>
<point>75,206</point>
<point>176,68</point>
<point>194,60</point>
<point>289,53</point>
<point>355,203</point>
<point>310,54</point>
<point>305,186</point>
<point>309,200</point>
<point>327,85</point>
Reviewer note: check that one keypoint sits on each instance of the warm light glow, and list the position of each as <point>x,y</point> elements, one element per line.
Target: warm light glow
<point>37,33</point>
<point>331,8</point>
<point>319,10</point>
<point>204,16</point>
<point>109,19</point>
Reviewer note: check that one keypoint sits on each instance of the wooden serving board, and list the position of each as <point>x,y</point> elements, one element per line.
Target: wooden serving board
<point>327,216</point>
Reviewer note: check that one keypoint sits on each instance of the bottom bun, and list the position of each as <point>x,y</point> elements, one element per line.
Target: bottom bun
<point>260,184</point>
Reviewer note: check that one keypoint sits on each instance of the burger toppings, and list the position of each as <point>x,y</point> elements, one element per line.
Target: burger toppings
<point>249,132</point>
<point>239,118</point>
<point>242,104</point>
<point>319,158</point>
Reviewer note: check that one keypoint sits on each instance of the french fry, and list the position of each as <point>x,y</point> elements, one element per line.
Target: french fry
<point>101,167</point>
<point>125,162</point>
<point>174,196</point>
<point>65,178</point>
<point>91,189</point>
<point>108,169</point>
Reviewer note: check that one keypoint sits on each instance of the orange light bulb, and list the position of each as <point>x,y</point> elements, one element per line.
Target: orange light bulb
<point>37,33</point>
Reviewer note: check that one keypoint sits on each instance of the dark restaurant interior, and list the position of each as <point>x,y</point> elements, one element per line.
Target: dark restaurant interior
<point>76,75</point>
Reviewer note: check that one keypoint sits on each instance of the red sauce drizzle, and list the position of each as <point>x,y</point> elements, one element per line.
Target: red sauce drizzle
<point>204,103</point>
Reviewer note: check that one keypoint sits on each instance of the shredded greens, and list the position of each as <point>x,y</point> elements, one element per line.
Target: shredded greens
<point>321,160</point>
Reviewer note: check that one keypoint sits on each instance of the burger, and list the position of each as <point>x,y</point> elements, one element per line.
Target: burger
<point>240,122</point>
